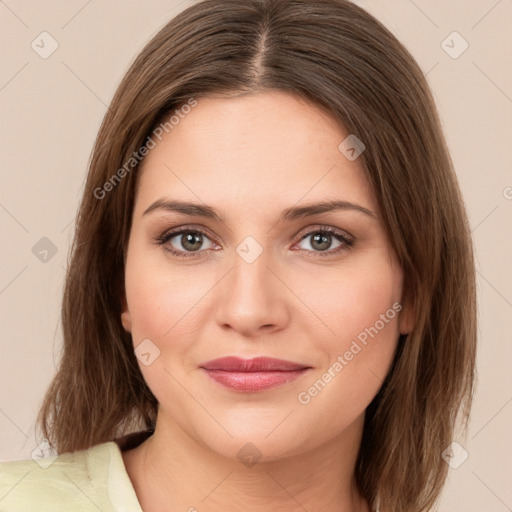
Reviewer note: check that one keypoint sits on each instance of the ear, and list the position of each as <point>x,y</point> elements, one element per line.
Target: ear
<point>407,318</point>
<point>126,319</point>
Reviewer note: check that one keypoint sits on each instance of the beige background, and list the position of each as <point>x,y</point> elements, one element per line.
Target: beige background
<point>51,110</point>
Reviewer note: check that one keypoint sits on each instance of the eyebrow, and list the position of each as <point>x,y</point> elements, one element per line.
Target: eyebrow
<point>290,214</point>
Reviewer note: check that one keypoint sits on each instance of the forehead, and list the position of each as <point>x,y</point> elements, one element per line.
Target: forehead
<point>255,149</point>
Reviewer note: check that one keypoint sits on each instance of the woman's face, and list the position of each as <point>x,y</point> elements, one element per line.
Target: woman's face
<point>259,278</point>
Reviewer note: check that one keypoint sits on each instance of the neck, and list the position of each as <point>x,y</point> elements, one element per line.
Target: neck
<point>171,471</point>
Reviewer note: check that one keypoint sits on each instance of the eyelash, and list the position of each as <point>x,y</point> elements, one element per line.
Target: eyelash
<point>347,242</point>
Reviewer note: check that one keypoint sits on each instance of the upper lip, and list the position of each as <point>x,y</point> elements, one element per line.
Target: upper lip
<point>256,364</point>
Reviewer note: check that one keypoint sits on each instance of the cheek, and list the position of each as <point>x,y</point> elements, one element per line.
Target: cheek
<point>362,308</point>
<point>367,298</point>
<point>350,301</point>
<point>164,305</point>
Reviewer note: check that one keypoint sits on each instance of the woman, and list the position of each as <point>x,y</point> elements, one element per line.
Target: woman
<point>270,303</point>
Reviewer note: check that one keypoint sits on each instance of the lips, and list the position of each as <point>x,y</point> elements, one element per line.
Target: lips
<point>258,364</point>
<point>251,375</point>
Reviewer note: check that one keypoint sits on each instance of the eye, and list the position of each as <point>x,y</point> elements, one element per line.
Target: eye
<point>184,242</point>
<point>321,240</point>
<point>189,241</point>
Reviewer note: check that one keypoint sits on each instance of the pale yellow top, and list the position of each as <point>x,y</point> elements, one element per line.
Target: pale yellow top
<point>88,480</point>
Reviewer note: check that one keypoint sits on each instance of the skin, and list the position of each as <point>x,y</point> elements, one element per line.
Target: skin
<point>251,157</point>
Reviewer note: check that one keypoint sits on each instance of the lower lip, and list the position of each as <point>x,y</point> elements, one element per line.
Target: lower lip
<point>249,382</point>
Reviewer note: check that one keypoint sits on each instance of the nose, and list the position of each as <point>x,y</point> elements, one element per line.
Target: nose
<point>251,299</point>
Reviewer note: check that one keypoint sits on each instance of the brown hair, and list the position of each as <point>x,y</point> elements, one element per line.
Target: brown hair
<point>342,59</point>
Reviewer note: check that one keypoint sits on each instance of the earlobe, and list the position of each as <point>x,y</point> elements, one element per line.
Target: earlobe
<point>407,320</point>
<point>126,321</point>
<point>125,315</point>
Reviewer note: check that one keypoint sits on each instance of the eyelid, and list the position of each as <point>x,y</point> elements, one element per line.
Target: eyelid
<point>326,228</point>
<point>305,231</point>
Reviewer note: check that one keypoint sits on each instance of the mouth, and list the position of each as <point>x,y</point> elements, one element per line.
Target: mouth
<point>252,375</point>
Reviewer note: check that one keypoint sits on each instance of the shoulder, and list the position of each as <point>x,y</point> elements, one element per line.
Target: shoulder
<point>84,480</point>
